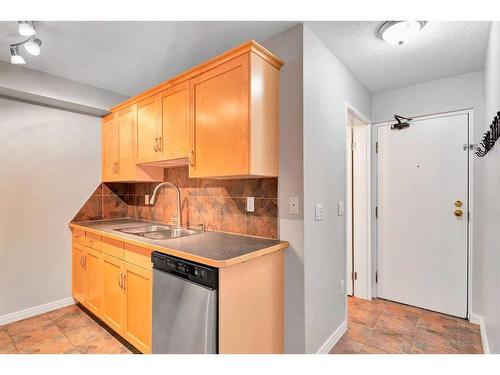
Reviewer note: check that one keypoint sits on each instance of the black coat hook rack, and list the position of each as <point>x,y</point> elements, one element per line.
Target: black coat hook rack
<point>489,138</point>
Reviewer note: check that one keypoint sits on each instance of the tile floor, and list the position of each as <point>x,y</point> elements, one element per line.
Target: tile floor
<point>63,331</point>
<point>384,327</point>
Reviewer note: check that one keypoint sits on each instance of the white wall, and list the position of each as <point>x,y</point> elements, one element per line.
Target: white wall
<point>443,95</point>
<point>463,91</point>
<point>487,206</point>
<point>328,86</point>
<point>50,164</point>
<point>288,47</point>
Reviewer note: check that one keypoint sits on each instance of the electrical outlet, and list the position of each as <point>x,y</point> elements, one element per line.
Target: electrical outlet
<point>319,211</point>
<point>341,288</point>
<point>250,204</point>
<point>293,205</point>
<point>340,208</point>
<point>146,199</point>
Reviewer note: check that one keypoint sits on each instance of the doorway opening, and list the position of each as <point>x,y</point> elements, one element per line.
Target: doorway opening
<point>358,205</point>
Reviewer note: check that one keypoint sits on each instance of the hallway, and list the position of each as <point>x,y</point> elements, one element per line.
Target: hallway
<point>385,327</point>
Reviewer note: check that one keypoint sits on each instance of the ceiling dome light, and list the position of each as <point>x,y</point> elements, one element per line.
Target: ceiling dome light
<point>15,57</point>
<point>26,28</point>
<point>33,46</point>
<point>399,32</point>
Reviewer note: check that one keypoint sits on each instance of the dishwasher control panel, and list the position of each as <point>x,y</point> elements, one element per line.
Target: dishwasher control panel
<point>195,272</point>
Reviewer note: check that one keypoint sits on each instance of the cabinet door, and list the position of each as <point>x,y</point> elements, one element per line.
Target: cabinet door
<point>78,276</point>
<point>138,307</point>
<point>112,294</point>
<point>148,130</point>
<point>110,151</point>
<point>219,120</point>
<point>174,103</point>
<point>93,270</point>
<point>126,120</point>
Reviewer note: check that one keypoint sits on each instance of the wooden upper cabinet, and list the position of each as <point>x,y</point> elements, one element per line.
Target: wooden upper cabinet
<point>174,103</point>
<point>119,148</point>
<point>110,148</point>
<point>148,130</point>
<point>220,117</point>
<point>234,119</point>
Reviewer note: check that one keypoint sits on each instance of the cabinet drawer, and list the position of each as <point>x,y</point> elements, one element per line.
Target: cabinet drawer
<point>79,236</point>
<point>138,255</point>
<point>93,240</point>
<point>112,247</point>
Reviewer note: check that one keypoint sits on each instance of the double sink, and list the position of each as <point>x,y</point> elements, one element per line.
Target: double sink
<point>158,232</point>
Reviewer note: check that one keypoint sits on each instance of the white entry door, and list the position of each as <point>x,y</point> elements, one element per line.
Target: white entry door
<point>422,186</point>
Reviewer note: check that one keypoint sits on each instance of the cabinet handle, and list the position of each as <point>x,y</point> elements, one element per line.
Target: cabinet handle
<point>120,281</point>
<point>124,283</point>
<point>81,261</point>
<point>191,157</point>
<point>85,262</point>
<point>156,145</point>
<point>159,144</point>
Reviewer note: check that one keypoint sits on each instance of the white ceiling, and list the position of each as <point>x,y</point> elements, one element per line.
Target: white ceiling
<point>441,49</point>
<point>129,57</point>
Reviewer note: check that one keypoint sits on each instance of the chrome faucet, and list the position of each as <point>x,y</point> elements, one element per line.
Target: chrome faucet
<point>174,220</point>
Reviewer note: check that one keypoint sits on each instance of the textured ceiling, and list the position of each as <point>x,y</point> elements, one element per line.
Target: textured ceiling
<point>441,49</point>
<point>129,57</point>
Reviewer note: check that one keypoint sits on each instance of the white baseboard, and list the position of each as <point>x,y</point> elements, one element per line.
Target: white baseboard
<point>36,310</point>
<point>333,339</point>
<point>479,319</point>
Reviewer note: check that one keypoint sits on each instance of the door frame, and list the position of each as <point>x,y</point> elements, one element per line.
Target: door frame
<point>470,194</point>
<point>364,257</point>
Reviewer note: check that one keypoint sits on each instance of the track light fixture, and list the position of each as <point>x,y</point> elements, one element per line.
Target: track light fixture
<point>32,44</point>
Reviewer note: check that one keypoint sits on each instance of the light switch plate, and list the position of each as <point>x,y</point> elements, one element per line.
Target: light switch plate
<point>293,205</point>
<point>340,208</point>
<point>250,204</point>
<point>319,211</point>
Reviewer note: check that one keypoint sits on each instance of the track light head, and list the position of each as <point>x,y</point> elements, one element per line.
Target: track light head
<point>26,28</point>
<point>15,57</point>
<point>33,46</point>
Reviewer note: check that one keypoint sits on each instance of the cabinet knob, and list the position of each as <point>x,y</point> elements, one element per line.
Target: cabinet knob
<point>191,157</point>
<point>155,145</point>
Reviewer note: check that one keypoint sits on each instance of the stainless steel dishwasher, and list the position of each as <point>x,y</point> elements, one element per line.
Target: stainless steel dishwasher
<point>184,306</point>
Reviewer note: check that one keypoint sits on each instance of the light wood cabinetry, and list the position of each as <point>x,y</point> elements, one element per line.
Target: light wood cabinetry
<point>221,117</point>
<point>174,105</point>
<point>112,298</point>
<point>138,294</point>
<point>118,149</point>
<point>93,292</point>
<point>148,130</point>
<point>234,119</point>
<point>117,288</point>
<point>79,279</point>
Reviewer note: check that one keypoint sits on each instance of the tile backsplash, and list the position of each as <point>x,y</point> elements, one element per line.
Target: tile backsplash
<point>219,204</point>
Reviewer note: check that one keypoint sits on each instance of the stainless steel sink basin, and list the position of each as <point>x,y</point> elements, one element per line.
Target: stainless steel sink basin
<point>157,232</point>
<point>169,233</point>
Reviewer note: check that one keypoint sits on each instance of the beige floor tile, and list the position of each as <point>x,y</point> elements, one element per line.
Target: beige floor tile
<point>54,345</point>
<point>28,332</point>
<point>6,343</point>
<point>347,346</point>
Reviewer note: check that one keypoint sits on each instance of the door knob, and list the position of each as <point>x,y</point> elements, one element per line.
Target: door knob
<point>458,213</point>
<point>458,203</point>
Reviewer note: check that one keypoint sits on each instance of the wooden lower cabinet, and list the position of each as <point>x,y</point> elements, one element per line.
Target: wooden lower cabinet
<point>113,296</point>
<point>117,292</point>
<point>79,279</point>
<point>93,270</point>
<point>138,305</point>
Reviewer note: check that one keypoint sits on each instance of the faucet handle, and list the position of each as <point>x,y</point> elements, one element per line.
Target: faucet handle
<point>202,227</point>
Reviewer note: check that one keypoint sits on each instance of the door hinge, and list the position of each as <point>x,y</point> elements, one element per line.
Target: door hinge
<point>376,276</point>
<point>354,275</point>
<point>376,147</point>
<point>376,212</point>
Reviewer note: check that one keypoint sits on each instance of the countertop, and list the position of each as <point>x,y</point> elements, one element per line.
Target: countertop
<point>217,249</point>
